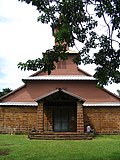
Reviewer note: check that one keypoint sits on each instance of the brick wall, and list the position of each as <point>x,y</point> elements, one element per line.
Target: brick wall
<point>48,119</point>
<point>40,118</point>
<point>80,119</point>
<point>17,119</point>
<point>105,120</point>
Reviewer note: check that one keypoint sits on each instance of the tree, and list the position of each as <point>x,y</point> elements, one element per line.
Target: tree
<point>80,20</point>
<point>118,92</point>
<point>5,91</point>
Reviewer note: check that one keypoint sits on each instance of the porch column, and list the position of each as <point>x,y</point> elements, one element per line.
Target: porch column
<point>48,124</point>
<point>40,118</point>
<point>80,120</point>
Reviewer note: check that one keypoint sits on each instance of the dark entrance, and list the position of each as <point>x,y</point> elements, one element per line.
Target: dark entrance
<point>61,120</point>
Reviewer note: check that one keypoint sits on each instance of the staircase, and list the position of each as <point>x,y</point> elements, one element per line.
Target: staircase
<point>59,136</point>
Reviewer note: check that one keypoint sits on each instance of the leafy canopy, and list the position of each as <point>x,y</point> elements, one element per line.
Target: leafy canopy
<point>5,91</point>
<point>93,23</point>
<point>118,92</point>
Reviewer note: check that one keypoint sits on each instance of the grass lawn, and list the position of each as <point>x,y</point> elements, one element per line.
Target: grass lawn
<point>19,147</point>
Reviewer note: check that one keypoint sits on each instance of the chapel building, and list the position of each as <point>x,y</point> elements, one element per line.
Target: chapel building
<point>64,102</point>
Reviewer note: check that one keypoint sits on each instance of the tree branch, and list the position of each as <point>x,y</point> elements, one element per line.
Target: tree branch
<point>109,31</point>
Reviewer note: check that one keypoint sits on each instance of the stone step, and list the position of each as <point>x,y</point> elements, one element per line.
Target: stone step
<point>60,137</point>
<point>58,133</point>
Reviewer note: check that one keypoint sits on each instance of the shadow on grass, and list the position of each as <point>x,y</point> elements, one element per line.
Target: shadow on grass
<point>4,152</point>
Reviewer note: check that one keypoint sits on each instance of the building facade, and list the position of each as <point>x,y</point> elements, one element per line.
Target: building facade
<point>65,101</point>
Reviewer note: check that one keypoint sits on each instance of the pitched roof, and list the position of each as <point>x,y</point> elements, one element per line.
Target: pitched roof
<point>70,69</point>
<point>61,91</point>
<point>12,92</point>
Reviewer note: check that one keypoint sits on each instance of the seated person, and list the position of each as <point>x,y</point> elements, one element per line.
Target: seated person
<point>89,130</point>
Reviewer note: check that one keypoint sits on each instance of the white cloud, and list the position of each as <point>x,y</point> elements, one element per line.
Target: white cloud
<point>22,38</point>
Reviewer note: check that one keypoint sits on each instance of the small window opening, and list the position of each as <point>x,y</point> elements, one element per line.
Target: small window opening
<point>61,64</point>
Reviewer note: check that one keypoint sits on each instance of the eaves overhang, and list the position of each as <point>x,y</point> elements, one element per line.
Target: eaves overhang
<point>61,78</point>
<point>102,104</point>
<point>33,104</point>
<point>86,104</point>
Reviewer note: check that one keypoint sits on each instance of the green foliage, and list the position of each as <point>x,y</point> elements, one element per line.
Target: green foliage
<point>5,91</point>
<point>107,61</point>
<point>78,20</point>
<point>47,63</point>
<point>118,92</point>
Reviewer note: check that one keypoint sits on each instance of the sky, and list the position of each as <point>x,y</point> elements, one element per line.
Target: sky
<point>23,38</point>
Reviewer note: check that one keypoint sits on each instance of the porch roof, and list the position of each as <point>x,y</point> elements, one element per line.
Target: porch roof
<point>58,91</point>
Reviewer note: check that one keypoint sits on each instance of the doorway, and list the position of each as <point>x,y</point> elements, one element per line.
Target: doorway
<point>61,120</point>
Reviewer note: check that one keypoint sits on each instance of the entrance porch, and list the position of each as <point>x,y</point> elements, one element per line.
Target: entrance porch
<point>60,113</point>
<point>60,118</point>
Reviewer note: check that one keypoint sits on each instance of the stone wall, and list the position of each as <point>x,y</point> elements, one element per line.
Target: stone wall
<point>17,119</point>
<point>48,119</point>
<point>104,120</point>
<point>80,119</point>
